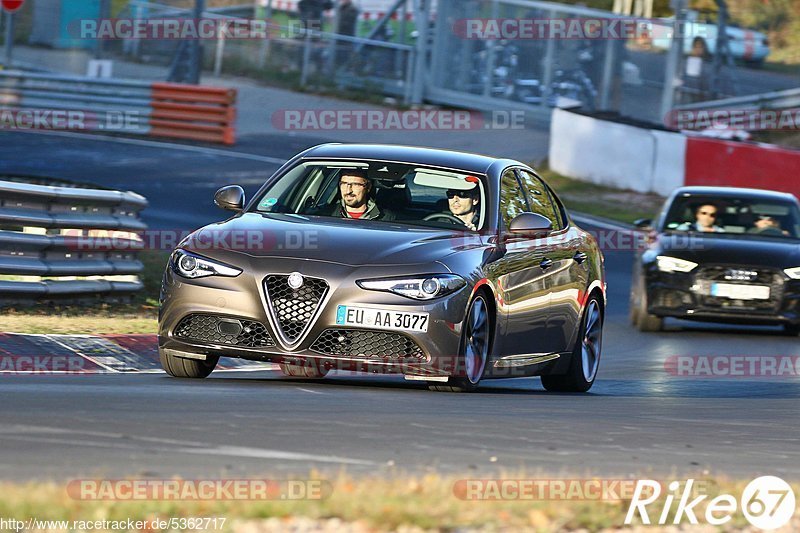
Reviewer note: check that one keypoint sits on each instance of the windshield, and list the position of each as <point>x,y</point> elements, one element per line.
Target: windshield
<point>379,191</point>
<point>752,218</point>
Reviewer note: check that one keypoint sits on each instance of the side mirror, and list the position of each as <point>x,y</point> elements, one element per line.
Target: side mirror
<point>230,198</point>
<point>531,224</point>
<point>643,223</point>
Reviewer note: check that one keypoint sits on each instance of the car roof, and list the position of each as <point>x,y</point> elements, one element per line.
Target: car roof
<point>734,192</point>
<point>476,163</point>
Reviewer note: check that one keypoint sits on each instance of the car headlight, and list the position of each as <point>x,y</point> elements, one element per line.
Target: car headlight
<point>194,266</point>
<point>416,287</point>
<point>793,273</point>
<point>673,264</point>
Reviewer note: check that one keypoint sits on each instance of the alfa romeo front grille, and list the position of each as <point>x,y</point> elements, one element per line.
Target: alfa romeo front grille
<point>214,329</point>
<point>293,309</point>
<point>367,344</point>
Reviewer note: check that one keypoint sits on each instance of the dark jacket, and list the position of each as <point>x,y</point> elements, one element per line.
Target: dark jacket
<point>476,218</point>
<point>311,12</point>
<point>348,17</point>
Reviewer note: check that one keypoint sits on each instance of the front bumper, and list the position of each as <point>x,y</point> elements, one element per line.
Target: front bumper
<point>688,296</point>
<point>242,300</point>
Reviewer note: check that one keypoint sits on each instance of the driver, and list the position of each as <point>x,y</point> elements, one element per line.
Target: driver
<point>464,206</point>
<point>355,189</point>
<point>706,218</point>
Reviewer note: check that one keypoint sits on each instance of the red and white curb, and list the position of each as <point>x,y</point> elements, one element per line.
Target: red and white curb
<point>93,354</point>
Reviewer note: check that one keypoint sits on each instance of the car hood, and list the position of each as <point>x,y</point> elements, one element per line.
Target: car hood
<point>731,250</point>
<point>346,242</point>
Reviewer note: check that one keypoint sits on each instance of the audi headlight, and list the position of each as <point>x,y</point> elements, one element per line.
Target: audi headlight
<point>194,266</point>
<point>793,273</point>
<point>673,264</point>
<point>416,287</point>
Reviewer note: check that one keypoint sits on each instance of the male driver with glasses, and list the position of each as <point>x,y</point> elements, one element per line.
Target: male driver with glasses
<point>706,218</point>
<point>355,189</point>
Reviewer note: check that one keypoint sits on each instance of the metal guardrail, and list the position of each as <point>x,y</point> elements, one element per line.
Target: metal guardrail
<point>773,100</point>
<point>127,107</point>
<point>52,242</point>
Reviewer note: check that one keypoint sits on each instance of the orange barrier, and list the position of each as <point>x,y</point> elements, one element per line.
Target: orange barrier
<point>193,112</point>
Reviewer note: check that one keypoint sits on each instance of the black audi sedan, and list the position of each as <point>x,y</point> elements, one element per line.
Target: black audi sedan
<point>720,254</point>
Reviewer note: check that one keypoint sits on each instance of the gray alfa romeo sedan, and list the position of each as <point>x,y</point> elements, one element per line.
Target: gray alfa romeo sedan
<point>445,267</point>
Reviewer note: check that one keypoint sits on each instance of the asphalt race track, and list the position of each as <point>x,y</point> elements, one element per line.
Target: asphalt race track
<point>638,418</point>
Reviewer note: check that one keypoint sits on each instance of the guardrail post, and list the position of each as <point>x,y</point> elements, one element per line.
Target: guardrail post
<point>547,67</point>
<point>306,57</point>
<point>10,18</point>
<point>422,16</point>
<point>219,56</point>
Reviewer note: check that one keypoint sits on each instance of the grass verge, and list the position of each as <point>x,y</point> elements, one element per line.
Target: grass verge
<point>601,201</point>
<point>394,503</point>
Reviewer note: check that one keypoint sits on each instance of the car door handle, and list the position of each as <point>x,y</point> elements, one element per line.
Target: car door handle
<point>546,263</point>
<point>580,257</point>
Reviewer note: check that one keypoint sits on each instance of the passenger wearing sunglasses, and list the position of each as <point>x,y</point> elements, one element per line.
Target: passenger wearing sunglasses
<point>706,218</point>
<point>464,206</point>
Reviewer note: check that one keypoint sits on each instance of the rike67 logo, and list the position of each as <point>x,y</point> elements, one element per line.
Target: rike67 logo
<point>767,503</point>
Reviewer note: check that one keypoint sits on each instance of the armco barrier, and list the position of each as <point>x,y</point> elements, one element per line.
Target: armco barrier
<point>616,154</point>
<point>126,107</point>
<point>43,231</point>
<point>738,164</point>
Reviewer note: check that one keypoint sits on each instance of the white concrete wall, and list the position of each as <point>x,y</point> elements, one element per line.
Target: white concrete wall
<point>669,171</point>
<point>617,155</point>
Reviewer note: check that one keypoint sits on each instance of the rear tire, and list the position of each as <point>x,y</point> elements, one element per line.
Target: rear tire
<point>473,357</point>
<point>585,355</point>
<point>309,371</point>
<point>178,367</point>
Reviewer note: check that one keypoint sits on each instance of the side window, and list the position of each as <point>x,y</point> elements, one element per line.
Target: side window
<point>539,198</point>
<point>512,201</point>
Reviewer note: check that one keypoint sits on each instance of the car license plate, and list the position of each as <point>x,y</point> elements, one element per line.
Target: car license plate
<point>348,315</point>
<point>740,292</point>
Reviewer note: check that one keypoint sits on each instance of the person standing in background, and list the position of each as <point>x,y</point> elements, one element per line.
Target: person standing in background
<point>346,25</point>
<point>311,13</point>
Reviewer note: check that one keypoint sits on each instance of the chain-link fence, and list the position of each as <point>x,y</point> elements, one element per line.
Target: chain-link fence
<point>623,72</point>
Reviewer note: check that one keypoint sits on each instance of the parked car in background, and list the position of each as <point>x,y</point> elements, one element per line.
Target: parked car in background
<point>720,254</point>
<point>701,37</point>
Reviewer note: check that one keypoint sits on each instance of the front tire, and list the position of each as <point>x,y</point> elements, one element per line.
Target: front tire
<point>178,367</point>
<point>474,350</point>
<point>585,355</point>
<point>640,317</point>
